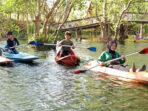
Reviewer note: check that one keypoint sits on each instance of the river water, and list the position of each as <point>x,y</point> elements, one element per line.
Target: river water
<point>46,86</point>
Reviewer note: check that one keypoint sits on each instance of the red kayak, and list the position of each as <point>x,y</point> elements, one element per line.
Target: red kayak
<point>69,60</point>
<point>4,60</point>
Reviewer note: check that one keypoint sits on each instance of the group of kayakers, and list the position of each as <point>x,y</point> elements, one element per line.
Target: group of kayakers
<point>109,54</point>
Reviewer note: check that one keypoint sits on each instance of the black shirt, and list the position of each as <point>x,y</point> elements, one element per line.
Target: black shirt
<point>12,43</point>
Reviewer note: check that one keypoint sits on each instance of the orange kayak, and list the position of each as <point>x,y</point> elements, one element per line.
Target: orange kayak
<point>141,77</point>
<point>4,60</point>
<point>69,60</point>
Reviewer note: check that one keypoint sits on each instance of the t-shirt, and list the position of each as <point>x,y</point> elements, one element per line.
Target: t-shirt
<point>12,43</point>
<point>64,42</point>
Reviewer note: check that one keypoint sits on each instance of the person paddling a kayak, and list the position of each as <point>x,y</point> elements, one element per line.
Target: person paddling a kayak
<point>110,54</point>
<point>66,50</point>
<point>11,43</point>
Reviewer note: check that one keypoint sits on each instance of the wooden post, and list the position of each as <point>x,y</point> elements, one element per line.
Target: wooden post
<point>109,30</point>
<point>10,15</point>
<point>141,30</point>
<point>76,34</point>
<point>80,35</point>
<point>27,19</point>
<point>95,29</point>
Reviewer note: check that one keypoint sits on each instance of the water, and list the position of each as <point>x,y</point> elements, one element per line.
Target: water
<point>46,86</point>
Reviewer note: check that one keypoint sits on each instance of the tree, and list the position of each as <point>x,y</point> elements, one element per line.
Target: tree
<point>103,21</point>
<point>113,12</point>
<point>48,16</point>
<point>121,16</point>
<point>66,13</point>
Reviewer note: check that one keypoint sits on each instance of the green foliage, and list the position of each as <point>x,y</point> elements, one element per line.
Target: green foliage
<point>145,27</point>
<point>115,7</point>
<point>7,24</point>
<point>14,27</point>
<point>139,7</point>
<point>79,10</point>
<point>61,35</point>
<point>31,28</point>
<point>15,6</point>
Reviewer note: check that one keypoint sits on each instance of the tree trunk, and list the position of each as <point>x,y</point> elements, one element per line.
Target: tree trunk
<point>121,16</point>
<point>18,16</point>
<point>27,25</point>
<point>10,15</point>
<point>36,27</point>
<point>141,30</point>
<point>48,16</point>
<point>37,18</point>
<point>104,33</point>
<point>103,25</point>
<point>23,16</point>
<point>122,31</point>
<point>65,17</point>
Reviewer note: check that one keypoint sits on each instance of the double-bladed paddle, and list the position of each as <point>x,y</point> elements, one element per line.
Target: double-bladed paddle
<point>93,49</point>
<point>143,51</point>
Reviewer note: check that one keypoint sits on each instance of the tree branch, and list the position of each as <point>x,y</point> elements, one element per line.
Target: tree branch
<point>65,17</point>
<point>118,22</point>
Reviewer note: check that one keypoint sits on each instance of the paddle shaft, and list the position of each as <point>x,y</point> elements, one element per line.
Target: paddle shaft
<point>121,57</point>
<point>56,45</point>
<point>63,45</point>
<point>16,46</point>
<point>93,49</point>
<point>115,59</point>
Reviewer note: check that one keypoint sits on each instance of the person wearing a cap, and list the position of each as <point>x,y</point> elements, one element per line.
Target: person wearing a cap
<point>12,42</point>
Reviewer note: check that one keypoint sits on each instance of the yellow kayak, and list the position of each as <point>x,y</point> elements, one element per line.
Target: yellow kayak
<point>133,40</point>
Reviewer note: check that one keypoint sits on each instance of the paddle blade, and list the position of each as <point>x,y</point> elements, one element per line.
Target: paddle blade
<point>79,71</point>
<point>32,43</point>
<point>35,43</point>
<point>93,49</point>
<point>144,51</point>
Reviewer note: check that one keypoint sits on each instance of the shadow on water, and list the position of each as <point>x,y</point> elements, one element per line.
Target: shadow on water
<point>31,63</point>
<point>122,42</point>
<point>6,65</point>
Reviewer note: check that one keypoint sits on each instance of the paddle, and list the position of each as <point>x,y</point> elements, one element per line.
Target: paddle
<point>4,49</point>
<point>143,51</point>
<point>16,46</point>
<point>93,49</point>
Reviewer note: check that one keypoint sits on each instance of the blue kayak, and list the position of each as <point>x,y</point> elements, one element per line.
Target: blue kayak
<point>21,57</point>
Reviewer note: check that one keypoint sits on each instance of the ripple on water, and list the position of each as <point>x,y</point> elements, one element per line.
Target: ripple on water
<point>45,86</point>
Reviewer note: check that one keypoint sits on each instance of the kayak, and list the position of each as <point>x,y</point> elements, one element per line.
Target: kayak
<point>4,60</point>
<point>133,40</point>
<point>21,57</point>
<point>69,60</point>
<point>136,76</point>
<point>137,40</point>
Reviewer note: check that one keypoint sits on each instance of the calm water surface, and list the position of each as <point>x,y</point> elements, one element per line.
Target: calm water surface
<point>46,86</point>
